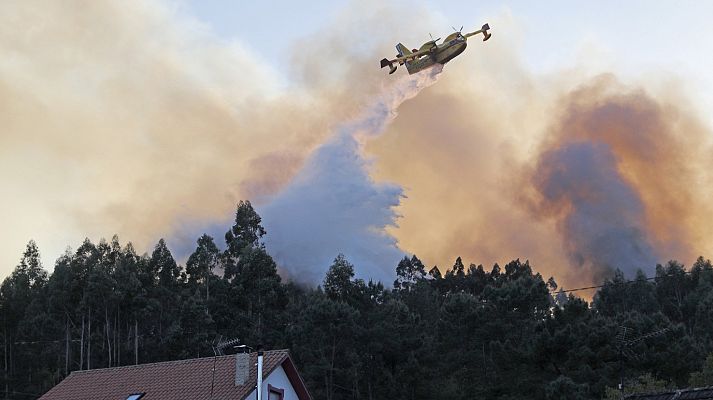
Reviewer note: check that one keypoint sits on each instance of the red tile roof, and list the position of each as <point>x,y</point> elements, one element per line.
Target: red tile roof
<point>704,393</point>
<point>174,380</point>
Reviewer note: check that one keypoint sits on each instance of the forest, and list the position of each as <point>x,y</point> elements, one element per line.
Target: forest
<point>469,332</point>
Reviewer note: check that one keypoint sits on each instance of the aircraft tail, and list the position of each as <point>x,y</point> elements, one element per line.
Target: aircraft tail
<point>403,50</point>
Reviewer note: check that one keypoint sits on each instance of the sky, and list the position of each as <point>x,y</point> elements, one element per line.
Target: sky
<point>632,37</point>
<point>577,137</point>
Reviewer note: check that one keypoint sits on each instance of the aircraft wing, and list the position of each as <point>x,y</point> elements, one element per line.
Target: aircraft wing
<point>484,30</point>
<point>407,57</point>
<point>390,63</point>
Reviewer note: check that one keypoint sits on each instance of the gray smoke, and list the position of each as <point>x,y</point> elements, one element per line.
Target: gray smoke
<point>333,205</point>
<point>602,217</point>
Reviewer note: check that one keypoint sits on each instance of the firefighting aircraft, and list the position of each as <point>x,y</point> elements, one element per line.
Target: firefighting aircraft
<point>432,53</point>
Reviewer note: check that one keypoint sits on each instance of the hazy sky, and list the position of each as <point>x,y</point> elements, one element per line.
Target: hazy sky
<point>153,118</point>
<point>632,38</point>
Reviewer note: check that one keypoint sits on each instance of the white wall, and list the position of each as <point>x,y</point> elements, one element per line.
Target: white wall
<point>278,378</point>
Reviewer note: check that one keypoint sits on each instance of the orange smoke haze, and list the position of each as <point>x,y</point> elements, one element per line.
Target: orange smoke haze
<point>474,173</point>
<point>130,118</point>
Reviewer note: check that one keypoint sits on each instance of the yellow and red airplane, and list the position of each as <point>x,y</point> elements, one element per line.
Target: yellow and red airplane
<point>431,52</point>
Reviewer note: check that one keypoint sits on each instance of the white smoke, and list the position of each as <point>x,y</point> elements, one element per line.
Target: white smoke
<point>333,205</point>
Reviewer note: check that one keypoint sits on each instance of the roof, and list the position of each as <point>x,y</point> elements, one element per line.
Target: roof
<point>184,379</point>
<point>705,393</point>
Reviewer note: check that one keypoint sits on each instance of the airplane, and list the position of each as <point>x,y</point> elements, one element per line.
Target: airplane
<point>432,53</point>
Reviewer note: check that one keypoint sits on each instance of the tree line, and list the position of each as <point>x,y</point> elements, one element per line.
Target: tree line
<point>503,333</point>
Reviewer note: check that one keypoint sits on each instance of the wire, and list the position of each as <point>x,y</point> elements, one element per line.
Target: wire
<point>620,283</point>
<point>14,392</point>
<point>23,342</point>
<point>212,380</point>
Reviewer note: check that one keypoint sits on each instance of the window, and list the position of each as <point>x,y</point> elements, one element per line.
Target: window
<point>274,393</point>
<point>135,396</point>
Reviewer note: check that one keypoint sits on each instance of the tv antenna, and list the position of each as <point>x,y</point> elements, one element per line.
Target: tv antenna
<point>219,345</point>
<point>624,346</point>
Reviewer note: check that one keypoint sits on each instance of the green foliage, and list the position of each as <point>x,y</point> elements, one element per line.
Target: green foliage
<point>564,388</point>
<point>201,263</point>
<point>472,332</point>
<point>338,283</point>
<point>646,383</point>
<point>704,377</point>
<point>409,272</point>
<point>163,264</point>
<point>246,231</point>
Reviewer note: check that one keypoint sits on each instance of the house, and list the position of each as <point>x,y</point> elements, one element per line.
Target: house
<point>705,393</point>
<point>234,378</point>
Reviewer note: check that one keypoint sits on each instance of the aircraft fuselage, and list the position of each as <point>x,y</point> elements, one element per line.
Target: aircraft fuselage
<point>440,55</point>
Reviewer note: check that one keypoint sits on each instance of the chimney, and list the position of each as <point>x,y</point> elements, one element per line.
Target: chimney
<point>259,372</point>
<point>242,368</point>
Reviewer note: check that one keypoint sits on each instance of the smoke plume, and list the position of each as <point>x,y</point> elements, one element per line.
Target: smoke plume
<point>619,175</point>
<point>333,205</point>
<point>601,217</point>
<point>132,118</point>
<point>579,174</point>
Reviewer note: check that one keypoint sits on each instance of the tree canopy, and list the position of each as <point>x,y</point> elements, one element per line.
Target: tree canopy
<point>469,332</point>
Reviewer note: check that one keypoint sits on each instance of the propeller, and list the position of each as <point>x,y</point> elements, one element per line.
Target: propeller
<point>484,30</point>
<point>432,39</point>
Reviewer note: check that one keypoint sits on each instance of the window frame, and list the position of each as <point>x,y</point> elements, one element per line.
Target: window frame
<point>278,391</point>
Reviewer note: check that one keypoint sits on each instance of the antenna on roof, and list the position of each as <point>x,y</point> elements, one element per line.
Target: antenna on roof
<point>214,344</point>
<point>219,345</point>
<point>219,348</point>
<point>624,345</point>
